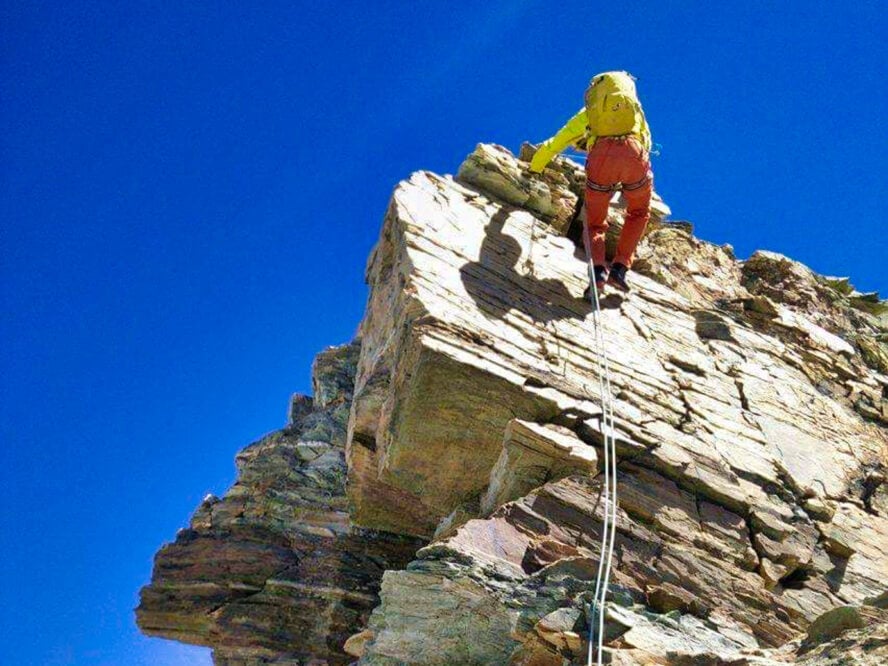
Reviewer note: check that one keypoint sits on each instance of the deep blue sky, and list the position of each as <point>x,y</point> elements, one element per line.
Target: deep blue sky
<point>188,196</point>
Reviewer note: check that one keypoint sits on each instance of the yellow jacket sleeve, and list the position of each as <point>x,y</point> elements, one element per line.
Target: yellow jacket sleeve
<point>573,131</point>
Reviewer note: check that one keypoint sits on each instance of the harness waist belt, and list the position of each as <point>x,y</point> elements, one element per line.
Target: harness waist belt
<point>617,187</point>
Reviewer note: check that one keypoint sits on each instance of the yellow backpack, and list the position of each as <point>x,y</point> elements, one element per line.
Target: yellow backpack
<point>612,105</point>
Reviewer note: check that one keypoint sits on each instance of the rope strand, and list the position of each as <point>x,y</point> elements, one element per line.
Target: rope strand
<point>608,536</point>
<point>608,533</point>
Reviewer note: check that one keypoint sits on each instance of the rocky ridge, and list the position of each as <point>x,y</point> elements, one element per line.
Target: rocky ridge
<point>445,475</point>
<point>273,572</point>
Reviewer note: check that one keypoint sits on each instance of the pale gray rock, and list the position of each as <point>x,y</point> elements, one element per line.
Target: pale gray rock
<point>532,456</point>
<point>494,170</point>
<point>833,623</point>
<point>721,405</point>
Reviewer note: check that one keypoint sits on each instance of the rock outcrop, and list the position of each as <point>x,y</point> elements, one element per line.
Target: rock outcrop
<point>751,407</point>
<point>273,572</point>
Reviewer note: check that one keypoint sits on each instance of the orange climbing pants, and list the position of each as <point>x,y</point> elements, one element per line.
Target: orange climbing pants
<point>612,160</point>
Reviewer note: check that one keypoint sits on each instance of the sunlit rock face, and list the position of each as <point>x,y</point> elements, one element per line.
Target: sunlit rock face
<point>456,448</point>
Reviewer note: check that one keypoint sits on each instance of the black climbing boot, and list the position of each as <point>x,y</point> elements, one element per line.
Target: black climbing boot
<point>617,277</point>
<point>599,274</point>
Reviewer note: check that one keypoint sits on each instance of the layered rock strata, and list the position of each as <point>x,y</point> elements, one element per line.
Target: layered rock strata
<point>751,414</point>
<point>273,572</point>
<point>747,429</point>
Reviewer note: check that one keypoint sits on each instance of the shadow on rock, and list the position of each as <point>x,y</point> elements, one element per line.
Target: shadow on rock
<point>497,287</point>
<point>710,325</point>
<point>611,302</point>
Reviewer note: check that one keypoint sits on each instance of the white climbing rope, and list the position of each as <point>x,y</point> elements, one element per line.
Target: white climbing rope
<point>608,532</point>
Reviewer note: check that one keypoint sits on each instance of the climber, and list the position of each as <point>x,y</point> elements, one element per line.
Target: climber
<point>613,131</point>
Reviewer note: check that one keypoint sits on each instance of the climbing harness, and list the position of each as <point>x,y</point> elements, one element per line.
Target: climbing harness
<point>608,532</point>
<point>619,187</point>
